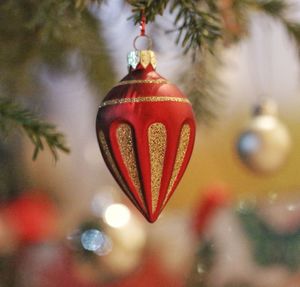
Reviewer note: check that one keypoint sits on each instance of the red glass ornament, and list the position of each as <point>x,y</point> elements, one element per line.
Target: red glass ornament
<point>146,130</point>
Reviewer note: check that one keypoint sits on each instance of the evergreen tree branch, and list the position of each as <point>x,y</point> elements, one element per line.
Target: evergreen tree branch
<point>81,4</point>
<point>39,33</point>
<point>200,24</point>
<point>294,30</point>
<point>150,8</point>
<point>50,29</point>
<point>204,88</point>
<point>38,131</point>
<point>197,23</point>
<point>279,10</point>
<point>274,8</point>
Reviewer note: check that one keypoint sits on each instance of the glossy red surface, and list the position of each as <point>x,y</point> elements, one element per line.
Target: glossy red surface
<point>140,115</point>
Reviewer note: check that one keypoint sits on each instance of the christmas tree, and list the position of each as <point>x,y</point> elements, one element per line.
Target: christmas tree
<point>41,34</point>
<point>62,37</point>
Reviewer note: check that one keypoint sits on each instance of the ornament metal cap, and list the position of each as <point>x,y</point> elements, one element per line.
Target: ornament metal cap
<point>265,107</point>
<point>142,57</point>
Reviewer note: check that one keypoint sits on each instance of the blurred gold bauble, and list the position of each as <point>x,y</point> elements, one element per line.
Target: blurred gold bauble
<point>264,145</point>
<point>128,246</point>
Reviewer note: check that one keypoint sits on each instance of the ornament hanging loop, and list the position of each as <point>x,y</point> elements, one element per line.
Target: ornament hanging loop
<point>149,44</point>
<point>143,33</point>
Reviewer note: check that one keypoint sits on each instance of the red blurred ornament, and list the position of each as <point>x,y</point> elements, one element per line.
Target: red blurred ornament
<point>214,197</point>
<point>146,130</point>
<point>32,217</point>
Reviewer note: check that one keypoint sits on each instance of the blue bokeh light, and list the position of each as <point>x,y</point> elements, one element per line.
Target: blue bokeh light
<point>92,239</point>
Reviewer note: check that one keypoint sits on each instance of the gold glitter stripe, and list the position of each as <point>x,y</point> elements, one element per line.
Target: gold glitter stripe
<point>125,141</point>
<point>157,136</point>
<point>142,82</point>
<point>143,100</point>
<point>183,145</point>
<point>111,161</point>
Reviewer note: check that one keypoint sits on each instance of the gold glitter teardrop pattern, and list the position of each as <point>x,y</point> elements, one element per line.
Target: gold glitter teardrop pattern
<point>126,142</point>
<point>111,161</point>
<point>157,137</point>
<point>180,155</point>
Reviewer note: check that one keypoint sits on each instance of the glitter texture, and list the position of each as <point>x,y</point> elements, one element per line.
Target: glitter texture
<point>181,150</point>
<point>125,141</point>
<point>111,161</point>
<point>157,136</point>
<point>144,99</point>
<point>145,58</point>
<point>129,82</point>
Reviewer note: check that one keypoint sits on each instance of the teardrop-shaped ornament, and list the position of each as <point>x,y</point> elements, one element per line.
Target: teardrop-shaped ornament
<point>146,130</point>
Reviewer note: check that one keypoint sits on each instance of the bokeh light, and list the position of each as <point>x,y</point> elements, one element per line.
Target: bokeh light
<point>101,201</point>
<point>117,215</point>
<point>106,246</point>
<point>92,239</point>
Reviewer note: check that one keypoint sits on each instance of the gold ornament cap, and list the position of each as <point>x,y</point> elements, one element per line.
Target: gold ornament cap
<point>142,57</point>
<point>265,107</point>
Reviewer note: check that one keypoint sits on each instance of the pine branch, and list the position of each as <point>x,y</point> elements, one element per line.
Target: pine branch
<point>38,131</point>
<point>203,88</point>
<point>197,25</point>
<point>81,4</point>
<point>50,30</point>
<point>293,29</point>
<point>201,23</point>
<point>275,8</point>
<point>196,22</point>
<point>279,10</point>
<point>150,8</point>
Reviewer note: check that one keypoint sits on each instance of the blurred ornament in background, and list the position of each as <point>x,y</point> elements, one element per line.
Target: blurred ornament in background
<point>113,242</point>
<point>32,217</point>
<point>260,238</point>
<point>264,145</point>
<point>172,241</point>
<point>146,130</point>
<point>129,243</point>
<point>214,197</point>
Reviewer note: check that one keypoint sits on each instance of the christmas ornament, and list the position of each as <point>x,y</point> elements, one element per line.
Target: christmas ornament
<point>32,217</point>
<point>146,129</point>
<point>265,144</point>
<point>115,251</point>
<point>261,238</point>
<point>215,197</point>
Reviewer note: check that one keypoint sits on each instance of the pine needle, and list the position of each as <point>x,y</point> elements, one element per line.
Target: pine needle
<point>38,131</point>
